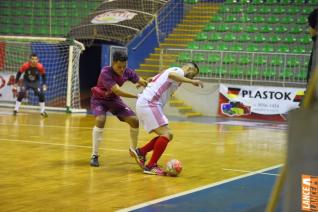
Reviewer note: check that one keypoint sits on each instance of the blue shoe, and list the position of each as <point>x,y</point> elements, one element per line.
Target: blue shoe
<point>140,159</point>
<point>94,161</point>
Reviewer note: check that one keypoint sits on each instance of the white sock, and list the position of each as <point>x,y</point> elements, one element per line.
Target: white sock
<point>97,138</point>
<point>134,132</point>
<point>17,105</point>
<point>42,107</point>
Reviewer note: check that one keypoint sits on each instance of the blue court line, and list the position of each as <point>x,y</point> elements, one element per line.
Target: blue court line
<point>246,193</point>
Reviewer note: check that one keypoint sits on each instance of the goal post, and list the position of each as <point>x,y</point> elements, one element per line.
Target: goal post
<point>60,58</point>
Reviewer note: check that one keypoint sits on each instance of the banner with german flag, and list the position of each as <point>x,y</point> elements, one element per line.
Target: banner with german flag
<point>258,102</point>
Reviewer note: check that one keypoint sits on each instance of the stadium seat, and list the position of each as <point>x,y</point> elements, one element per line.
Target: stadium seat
<point>285,2</point>
<point>217,19</point>
<point>228,59</point>
<point>236,47</point>
<point>302,75</point>
<point>286,74</point>
<point>266,29</point>
<point>300,1</point>
<point>214,58</point>
<point>244,19</point>
<point>225,9</point>
<point>292,62</point>
<point>205,70</point>
<point>252,48</point>
<point>236,72</point>
<point>252,73</point>
<point>209,27</point>
<point>198,58</point>
<point>283,49</point>
<point>257,1</point>
<point>193,45</point>
<point>208,47</point>
<point>267,48</point>
<point>272,20</point>
<point>236,28</point>
<point>214,37</point>
<point>281,29</point>
<point>222,47</point>
<point>258,19</point>
<point>222,28</point>
<point>259,39</point>
<point>305,40</point>
<point>271,1</point>
<point>268,73</point>
<point>265,10</point>
<point>251,29</point>
<point>306,10</point>
<point>237,9</point>
<point>301,20</point>
<point>229,38</point>
<point>289,39</point>
<point>277,61</point>
<point>287,20</point>
<point>299,50</point>
<point>296,30</point>
<point>260,60</point>
<point>274,39</point>
<point>201,36</point>
<point>244,60</point>
<point>313,2</point>
<point>230,19</point>
<point>244,38</point>
<point>293,10</point>
<point>279,10</point>
<point>251,9</point>
<point>184,57</point>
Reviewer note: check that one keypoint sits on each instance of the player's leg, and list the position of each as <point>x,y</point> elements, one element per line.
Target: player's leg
<point>20,97</point>
<point>134,130</point>
<point>38,92</point>
<point>99,111</point>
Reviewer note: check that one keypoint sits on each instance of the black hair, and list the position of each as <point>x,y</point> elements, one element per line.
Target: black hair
<point>120,56</point>
<point>33,55</point>
<point>313,18</point>
<point>195,66</point>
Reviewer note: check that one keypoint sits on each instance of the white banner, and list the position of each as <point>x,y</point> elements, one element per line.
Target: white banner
<point>6,82</point>
<point>260,99</point>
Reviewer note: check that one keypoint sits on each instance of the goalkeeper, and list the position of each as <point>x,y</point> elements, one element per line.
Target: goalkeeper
<point>32,71</point>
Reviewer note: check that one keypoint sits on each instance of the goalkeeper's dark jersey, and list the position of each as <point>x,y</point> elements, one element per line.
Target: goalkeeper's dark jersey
<point>31,74</point>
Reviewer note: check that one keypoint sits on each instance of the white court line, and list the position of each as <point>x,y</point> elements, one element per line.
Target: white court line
<point>238,170</point>
<point>66,145</point>
<point>196,189</point>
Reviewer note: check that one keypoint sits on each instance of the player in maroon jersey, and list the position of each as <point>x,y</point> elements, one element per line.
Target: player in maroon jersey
<point>32,71</point>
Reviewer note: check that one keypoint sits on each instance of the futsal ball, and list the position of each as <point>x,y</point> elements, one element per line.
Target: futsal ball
<point>173,168</point>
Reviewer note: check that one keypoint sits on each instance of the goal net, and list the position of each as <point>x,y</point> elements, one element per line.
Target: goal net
<point>60,58</point>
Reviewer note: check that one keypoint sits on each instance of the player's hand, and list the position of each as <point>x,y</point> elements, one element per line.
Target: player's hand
<point>44,87</point>
<point>198,83</point>
<point>142,83</point>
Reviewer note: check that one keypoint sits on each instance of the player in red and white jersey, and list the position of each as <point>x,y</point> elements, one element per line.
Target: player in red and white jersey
<point>32,71</point>
<point>149,109</point>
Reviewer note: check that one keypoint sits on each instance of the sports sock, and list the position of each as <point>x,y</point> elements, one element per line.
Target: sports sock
<point>134,132</point>
<point>17,105</point>
<point>159,147</point>
<point>97,138</point>
<point>148,147</point>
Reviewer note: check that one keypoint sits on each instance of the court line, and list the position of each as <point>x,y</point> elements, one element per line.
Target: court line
<point>142,205</point>
<point>238,170</point>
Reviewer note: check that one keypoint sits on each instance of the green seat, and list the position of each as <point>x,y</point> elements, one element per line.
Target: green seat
<point>287,20</point>
<point>253,73</point>
<point>198,58</point>
<point>290,40</point>
<point>293,10</point>
<point>252,48</point>
<point>236,47</point>
<point>215,37</point>
<point>217,19</point>
<point>272,20</point>
<point>184,57</point>
<point>277,61</point>
<point>258,2</point>
<point>201,36</point>
<point>229,38</point>
<point>176,65</point>
<point>251,9</point>
<point>265,10</point>
<point>230,19</point>
<point>301,20</point>
<point>313,2</point>
<point>259,39</point>
<point>299,50</point>
<point>228,59</point>
<point>285,1</point>
<point>244,60</point>
<point>222,47</point>
<point>237,9</point>
<point>305,40</point>
<point>230,1</point>
<point>260,60</point>
<point>266,29</point>
<point>306,11</point>
<point>209,27</point>
<point>222,28</point>
<point>268,48</point>
<point>225,9</point>
<point>193,45</point>
<point>274,39</point>
<point>283,49</point>
<point>191,1</point>
<point>286,74</point>
<point>236,28</point>
<point>293,62</point>
<point>279,10</point>
<point>281,29</point>
<point>236,72</point>
<point>300,1</point>
<point>244,19</point>
<point>221,71</point>
<point>302,75</point>
<point>244,38</point>
<point>258,19</point>
<point>296,30</point>
<point>251,29</point>
<point>205,70</point>
<point>268,73</point>
<point>213,58</point>
<point>305,63</point>
<point>208,47</point>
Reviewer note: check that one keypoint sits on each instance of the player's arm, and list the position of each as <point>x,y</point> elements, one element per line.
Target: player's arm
<point>116,90</point>
<point>142,82</point>
<point>178,78</point>
<point>43,75</point>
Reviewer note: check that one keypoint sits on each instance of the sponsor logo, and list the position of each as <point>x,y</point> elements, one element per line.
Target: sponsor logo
<point>309,193</point>
<point>113,16</point>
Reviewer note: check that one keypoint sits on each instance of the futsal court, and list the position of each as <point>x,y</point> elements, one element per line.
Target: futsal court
<point>228,165</point>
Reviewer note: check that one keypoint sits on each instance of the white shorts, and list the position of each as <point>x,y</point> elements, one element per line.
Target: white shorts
<point>150,115</point>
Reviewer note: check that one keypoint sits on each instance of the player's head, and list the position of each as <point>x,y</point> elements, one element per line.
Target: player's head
<point>191,69</point>
<point>313,22</point>
<point>34,59</point>
<point>119,62</point>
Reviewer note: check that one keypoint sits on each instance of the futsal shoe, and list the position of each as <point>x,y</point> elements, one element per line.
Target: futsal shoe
<point>140,159</point>
<point>44,114</point>
<point>94,161</point>
<point>154,170</point>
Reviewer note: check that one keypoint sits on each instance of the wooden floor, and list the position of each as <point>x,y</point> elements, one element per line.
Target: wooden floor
<point>45,162</point>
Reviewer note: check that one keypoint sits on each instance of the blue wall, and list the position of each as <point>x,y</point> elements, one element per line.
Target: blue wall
<point>145,43</point>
